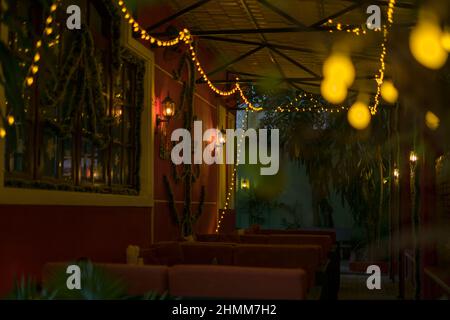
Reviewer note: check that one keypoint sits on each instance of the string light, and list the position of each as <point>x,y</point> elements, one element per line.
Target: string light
<point>317,106</point>
<point>233,175</point>
<point>389,92</point>
<point>186,37</point>
<point>379,78</point>
<point>431,120</point>
<point>48,30</point>
<point>11,120</point>
<point>359,116</point>
<point>183,35</point>
<point>347,28</point>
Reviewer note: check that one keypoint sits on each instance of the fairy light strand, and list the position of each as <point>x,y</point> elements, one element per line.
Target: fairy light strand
<point>186,37</point>
<point>379,78</point>
<point>48,31</point>
<point>317,107</point>
<point>33,70</point>
<point>233,182</point>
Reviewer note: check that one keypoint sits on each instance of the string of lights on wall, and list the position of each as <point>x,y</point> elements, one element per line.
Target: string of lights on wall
<point>379,78</point>
<point>186,37</point>
<point>233,175</point>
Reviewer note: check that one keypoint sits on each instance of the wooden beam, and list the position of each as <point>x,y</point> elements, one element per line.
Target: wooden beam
<point>241,57</point>
<point>177,14</point>
<point>295,62</point>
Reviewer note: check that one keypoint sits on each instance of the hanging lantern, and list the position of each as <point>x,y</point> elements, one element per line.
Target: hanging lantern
<point>168,106</point>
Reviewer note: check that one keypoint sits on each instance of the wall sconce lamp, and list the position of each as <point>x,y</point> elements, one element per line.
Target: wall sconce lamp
<point>168,111</point>
<point>245,184</point>
<point>413,157</point>
<point>396,174</point>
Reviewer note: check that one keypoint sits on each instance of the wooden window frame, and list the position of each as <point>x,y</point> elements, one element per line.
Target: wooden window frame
<point>9,195</point>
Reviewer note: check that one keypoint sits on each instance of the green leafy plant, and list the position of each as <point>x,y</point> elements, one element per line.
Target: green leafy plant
<point>337,159</point>
<point>97,284</point>
<point>27,289</point>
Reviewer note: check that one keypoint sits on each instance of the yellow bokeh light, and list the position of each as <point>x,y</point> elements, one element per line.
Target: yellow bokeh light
<point>333,91</point>
<point>445,41</point>
<point>389,92</point>
<point>359,116</point>
<point>426,45</point>
<point>431,120</point>
<point>11,120</point>
<point>2,133</point>
<point>339,67</point>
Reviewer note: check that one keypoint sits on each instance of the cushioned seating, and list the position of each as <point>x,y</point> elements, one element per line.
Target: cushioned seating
<point>324,241</point>
<point>138,279</point>
<point>330,233</point>
<point>229,238</point>
<point>254,239</point>
<point>237,282</point>
<point>306,257</point>
<point>207,253</point>
<point>207,237</point>
<point>167,253</point>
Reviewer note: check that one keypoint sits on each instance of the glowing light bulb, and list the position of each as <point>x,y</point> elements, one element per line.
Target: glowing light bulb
<point>432,121</point>
<point>426,46</point>
<point>11,120</point>
<point>332,91</point>
<point>389,92</point>
<point>339,67</point>
<point>396,173</point>
<point>445,41</point>
<point>359,116</point>
<point>2,133</point>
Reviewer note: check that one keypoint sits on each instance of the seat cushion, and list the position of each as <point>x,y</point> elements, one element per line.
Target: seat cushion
<point>303,239</point>
<point>207,253</point>
<point>208,237</point>
<point>168,253</point>
<point>254,239</point>
<point>230,282</point>
<point>306,257</point>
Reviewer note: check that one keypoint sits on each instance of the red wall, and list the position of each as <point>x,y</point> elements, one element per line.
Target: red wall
<point>30,236</point>
<point>205,109</point>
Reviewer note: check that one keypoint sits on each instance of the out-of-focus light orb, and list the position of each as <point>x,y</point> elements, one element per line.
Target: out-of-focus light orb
<point>339,67</point>
<point>359,116</point>
<point>2,133</point>
<point>445,41</point>
<point>426,46</point>
<point>432,121</point>
<point>389,92</point>
<point>333,91</point>
<point>11,120</point>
